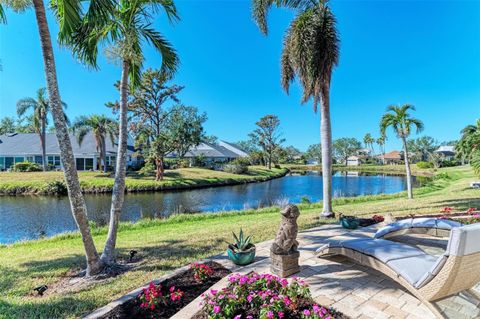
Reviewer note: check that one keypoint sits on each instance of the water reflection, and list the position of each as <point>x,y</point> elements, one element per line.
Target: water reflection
<point>36,216</point>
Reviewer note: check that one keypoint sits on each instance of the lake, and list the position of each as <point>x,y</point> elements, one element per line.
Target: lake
<point>31,217</point>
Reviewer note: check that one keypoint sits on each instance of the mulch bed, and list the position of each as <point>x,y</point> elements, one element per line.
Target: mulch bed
<point>184,282</point>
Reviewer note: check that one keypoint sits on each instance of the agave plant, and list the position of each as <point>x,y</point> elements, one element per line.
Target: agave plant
<point>242,243</point>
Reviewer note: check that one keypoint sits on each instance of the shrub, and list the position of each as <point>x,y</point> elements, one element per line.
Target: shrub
<point>26,167</point>
<point>241,161</point>
<point>449,163</point>
<point>277,166</point>
<point>154,296</point>
<point>148,169</point>
<point>55,188</point>
<point>235,168</point>
<point>201,272</point>
<point>262,296</point>
<point>424,165</point>
<point>305,200</point>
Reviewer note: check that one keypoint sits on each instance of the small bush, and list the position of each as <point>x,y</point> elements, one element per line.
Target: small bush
<point>305,200</point>
<point>277,166</point>
<point>147,170</point>
<point>26,167</point>
<point>241,161</point>
<point>55,188</point>
<point>424,165</point>
<point>449,163</point>
<point>235,168</point>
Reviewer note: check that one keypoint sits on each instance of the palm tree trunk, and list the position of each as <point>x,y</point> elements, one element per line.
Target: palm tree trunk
<point>159,172</point>
<point>77,202</point>
<point>104,154</point>
<point>44,147</point>
<point>118,194</point>
<point>407,168</point>
<point>326,142</point>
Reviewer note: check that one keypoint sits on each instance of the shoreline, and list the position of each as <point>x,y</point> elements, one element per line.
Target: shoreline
<point>136,185</point>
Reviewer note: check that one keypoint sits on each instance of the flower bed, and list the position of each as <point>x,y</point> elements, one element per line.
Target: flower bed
<point>263,296</point>
<point>167,298</point>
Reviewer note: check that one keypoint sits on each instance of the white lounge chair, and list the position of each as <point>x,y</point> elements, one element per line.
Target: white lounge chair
<point>430,226</point>
<point>427,277</point>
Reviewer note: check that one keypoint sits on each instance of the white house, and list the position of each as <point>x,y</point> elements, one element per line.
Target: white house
<point>447,152</point>
<point>21,147</point>
<point>220,152</point>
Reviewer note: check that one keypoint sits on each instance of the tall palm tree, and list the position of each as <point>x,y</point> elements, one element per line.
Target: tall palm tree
<point>381,144</point>
<point>101,126</point>
<point>130,26</point>
<point>368,141</point>
<point>41,109</point>
<point>68,14</point>
<point>469,143</point>
<point>310,52</point>
<point>402,122</point>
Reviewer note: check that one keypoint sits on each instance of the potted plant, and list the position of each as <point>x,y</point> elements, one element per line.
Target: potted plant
<point>242,252</point>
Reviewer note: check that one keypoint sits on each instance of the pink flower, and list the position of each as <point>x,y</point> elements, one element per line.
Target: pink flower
<point>270,314</point>
<point>238,317</point>
<point>306,312</point>
<point>249,298</point>
<point>172,289</point>
<point>213,292</point>
<point>217,309</point>
<point>316,308</point>
<point>281,314</point>
<point>287,301</point>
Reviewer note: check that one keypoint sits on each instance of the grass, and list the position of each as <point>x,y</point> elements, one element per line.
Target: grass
<point>168,244</point>
<point>14,183</point>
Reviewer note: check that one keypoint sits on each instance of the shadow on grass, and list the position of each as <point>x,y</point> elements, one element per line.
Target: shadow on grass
<point>46,309</point>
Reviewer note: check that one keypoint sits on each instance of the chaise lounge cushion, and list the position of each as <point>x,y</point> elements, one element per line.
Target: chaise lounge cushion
<point>464,240</point>
<point>412,269</point>
<point>405,224</point>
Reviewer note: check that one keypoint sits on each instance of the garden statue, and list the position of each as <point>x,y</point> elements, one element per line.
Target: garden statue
<point>284,253</point>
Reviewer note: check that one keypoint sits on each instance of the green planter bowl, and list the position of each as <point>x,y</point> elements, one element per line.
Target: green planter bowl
<point>241,258</point>
<point>350,223</point>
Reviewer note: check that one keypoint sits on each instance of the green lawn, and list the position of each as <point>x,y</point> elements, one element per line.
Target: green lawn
<point>168,244</point>
<point>97,182</point>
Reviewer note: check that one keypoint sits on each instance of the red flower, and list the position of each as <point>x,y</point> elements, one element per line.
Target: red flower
<point>471,210</point>
<point>447,210</point>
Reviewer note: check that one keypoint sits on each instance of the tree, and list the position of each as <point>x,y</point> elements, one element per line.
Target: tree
<point>310,52</point>
<point>288,154</point>
<point>7,125</point>
<point>69,18</point>
<point>211,139</point>
<point>345,147</point>
<point>368,140</point>
<point>187,125</point>
<point>101,126</point>
<point>423,147</point>
<point>41,108</point>
<point>129,26</point>
<point>399,119</point>
<point>150,117</point>
<point>381,144</point>
<point>469,143</point>
<point>267,136</point>
<point>314,152</point>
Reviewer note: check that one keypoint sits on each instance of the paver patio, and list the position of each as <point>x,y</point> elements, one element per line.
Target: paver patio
<point>357,291</point>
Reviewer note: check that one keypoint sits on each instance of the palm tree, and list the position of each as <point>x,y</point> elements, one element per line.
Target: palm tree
<point>41,108</point>
<point>368,140</point>
<point>101,126</point>
<point>469,143</point>
<point>401,121</point>
<point>310,52</point>
<point>68,13</point>
<point>129,27</point>
<point>381,144</point>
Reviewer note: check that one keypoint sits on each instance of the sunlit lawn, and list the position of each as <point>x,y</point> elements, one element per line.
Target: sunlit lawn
<point>165,245</point>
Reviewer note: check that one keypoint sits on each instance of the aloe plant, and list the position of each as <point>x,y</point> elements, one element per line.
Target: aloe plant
<point>242,243</point>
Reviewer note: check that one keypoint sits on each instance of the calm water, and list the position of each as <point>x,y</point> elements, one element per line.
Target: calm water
<point>28,217</point>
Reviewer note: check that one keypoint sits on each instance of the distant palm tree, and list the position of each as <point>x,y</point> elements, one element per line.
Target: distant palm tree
<point>41,109</point>
<point>401,122</point>
<point>381,144</point>
<point>101,126</point>
<point>310,52</point>
<point>469,143</point>
<point>368,141</point>
<point>127,30</point>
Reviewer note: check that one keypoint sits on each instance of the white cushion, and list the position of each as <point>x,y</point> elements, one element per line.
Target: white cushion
<point>464,240</point>
<point>432,272</point>
<point>412,269</point>
<point>424,222</point>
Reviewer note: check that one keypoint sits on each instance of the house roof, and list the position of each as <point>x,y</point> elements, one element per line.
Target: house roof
<point>234,148</point>
<point>446,149</point>
<point>29,144</point>
<point>393,155</point>
<point>208,150</point>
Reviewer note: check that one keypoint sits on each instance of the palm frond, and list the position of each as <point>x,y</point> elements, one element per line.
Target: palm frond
<point>170,59</point>
<point>3,17</point>
<point>69,16</point>
<point>260,12</point>
<point>169,7</point>
<point>24,104</point>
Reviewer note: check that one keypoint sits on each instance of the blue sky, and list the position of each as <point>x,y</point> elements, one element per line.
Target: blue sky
<point>392,52</point>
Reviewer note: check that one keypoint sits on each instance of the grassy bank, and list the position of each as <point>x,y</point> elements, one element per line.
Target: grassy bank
<point>387,169</point>
<point>165,245</point>
<point>15,183</point>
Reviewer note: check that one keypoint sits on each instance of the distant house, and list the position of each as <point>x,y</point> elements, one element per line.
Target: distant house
<point>221,152</point>
<point>21,147</point>
<point>356,160</point>
<point>393,157</point>
<point>447,152</point>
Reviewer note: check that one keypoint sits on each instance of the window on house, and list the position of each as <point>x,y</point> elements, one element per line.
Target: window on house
<point>88,164</point>
<point>2,163</point>
<point>38,160</point>
<point>19,159</point>
<point>80,164</point>
<point>9,161</point>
